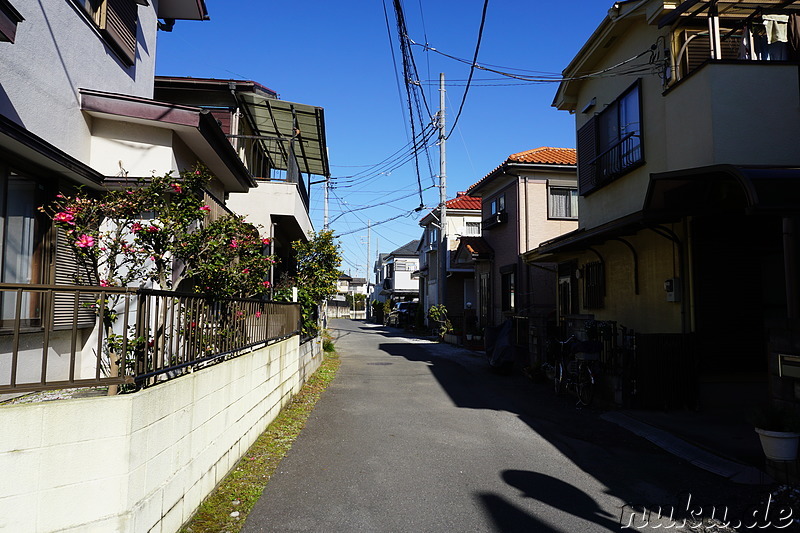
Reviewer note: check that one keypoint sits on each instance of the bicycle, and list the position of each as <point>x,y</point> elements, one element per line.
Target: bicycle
<point>575,369</point>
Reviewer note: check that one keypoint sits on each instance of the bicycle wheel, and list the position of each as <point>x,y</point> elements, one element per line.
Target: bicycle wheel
<point>585,385</point>
<point>559,374</point>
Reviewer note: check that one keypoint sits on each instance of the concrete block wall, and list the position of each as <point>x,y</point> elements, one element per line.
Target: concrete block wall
<point>142,462</point>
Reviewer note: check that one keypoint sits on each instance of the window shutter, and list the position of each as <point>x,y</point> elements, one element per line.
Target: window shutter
<point>68,271</point>
<point>587,152</point>
<point>117,18</point>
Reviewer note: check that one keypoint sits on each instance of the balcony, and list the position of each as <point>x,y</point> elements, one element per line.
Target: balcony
<point>734,112</point>
<point>494,220</point>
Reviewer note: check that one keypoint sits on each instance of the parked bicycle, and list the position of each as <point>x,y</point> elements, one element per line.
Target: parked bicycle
<point>576,368</point>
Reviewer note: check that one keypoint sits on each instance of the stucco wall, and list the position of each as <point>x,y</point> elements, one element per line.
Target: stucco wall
<point>144,461</point>
<point>70,55</point>
<point>271,198</point>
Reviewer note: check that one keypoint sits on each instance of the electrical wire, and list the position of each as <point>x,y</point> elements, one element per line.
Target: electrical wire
<point>545,78</point>
<point>471,68</point>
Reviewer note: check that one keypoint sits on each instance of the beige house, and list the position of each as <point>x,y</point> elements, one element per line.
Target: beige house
<point>687,126</point>
<point>530,198</point>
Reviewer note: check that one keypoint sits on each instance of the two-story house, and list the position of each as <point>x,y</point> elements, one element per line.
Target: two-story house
<point>278,142</point>
<point>528,199</point>
<point>463,220</point>
<point>687,127</point>
<point>393,274</point>
<point>77,109</point>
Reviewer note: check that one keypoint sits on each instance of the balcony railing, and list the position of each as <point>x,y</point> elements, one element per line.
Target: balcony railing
<point>621,157</point>
<point>139,337</point>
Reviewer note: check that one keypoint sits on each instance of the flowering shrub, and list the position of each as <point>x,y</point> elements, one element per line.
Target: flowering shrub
<point>129,236</point>
<point>157,233</point>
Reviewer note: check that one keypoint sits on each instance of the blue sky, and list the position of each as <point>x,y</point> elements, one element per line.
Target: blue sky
<point>338,55</point>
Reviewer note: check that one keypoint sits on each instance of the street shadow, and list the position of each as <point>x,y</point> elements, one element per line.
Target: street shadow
<point>548,490</point>
<point>630,468</point>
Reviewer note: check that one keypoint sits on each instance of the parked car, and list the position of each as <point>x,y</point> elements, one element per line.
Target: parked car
<point>403,314</point>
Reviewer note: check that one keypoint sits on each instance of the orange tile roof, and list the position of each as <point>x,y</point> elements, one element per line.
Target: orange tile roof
<point>464,202</point>
<point>544,155</point>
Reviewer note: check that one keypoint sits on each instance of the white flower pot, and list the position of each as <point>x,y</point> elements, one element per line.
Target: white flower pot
<point>779,445</point>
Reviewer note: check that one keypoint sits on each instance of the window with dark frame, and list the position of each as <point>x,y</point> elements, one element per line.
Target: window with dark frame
<point>567,289</point>
<point>21,245</point>
<point>507,288</point>
<point>117,21</point>
<point>594,285</point>
<point>562,202</point>
<point>9,18</point>
<point>498,205</point>
<point>610,143</point>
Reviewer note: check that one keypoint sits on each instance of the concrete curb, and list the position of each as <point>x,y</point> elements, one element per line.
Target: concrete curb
<point>699,457</point>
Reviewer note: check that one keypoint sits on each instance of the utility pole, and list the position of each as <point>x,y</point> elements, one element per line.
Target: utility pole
<point>367,306</point>
<point>442,252</point>
<point>325,213</point>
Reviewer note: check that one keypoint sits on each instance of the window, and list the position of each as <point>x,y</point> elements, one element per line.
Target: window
<point>594,287</point>
<point>562,202</point>
<point>9,18</point>
<point>21,250</point>
<point>610,143</point>
<point>483,298</point>
<point>498,205</point>
<point>433,238</point>
<point>567,289</point>
<point>472,229</point>
<point>117,22</point>
<point>507,287</point>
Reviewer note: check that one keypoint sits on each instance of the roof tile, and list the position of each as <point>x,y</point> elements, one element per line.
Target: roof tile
<point>544,155</point>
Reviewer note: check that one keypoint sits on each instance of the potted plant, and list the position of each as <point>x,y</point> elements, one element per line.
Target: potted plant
<point>778,429</point>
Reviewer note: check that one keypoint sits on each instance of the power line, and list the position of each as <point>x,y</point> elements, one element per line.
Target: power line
<point>471,68</point>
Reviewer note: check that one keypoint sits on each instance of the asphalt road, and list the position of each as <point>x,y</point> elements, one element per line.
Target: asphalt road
<point>416,436</point>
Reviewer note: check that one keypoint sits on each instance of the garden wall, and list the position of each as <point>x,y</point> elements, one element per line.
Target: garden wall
<point>142,462</point>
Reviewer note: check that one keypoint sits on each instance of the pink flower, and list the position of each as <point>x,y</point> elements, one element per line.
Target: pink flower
<point>258,314</point>
<point>85,241</point>
<point>205,208</point>
<point>152,229</point>
<point>136,227</point>
<point>64,217</point>
<point>104,283</point>
<point>266,284</point>
<point>265,242</point>
<point>246,271</point>
<point>176,187</point>
<point>197,172</point>
<point>234,243</point>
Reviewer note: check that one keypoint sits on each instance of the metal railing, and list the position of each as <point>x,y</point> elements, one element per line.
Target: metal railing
<point>134,337</point>
<point>619,158</point>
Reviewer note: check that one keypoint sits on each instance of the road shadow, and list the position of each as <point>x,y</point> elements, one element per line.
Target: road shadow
<point>631,468</point>
<point>548,490</point>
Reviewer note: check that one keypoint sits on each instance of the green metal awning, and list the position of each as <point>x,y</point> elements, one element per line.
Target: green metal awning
<point>285,127</point>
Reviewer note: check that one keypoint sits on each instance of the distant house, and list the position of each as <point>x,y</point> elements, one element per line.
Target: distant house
<point>343,284</point>
<point>529,198</point>
<point>688,187</point>
<point>358,285</point>
<point>393,274</point>
<point>463,220</point>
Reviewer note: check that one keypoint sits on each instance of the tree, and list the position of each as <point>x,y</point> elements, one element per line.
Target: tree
<point>318,262</point>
